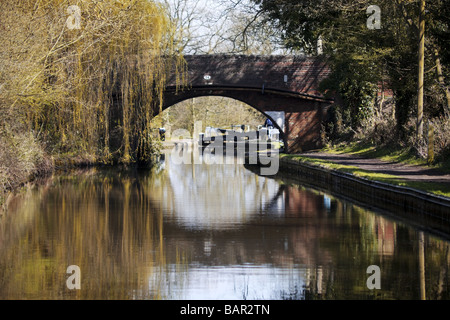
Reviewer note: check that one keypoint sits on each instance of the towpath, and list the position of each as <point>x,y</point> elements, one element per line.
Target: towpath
<point>404,171</point>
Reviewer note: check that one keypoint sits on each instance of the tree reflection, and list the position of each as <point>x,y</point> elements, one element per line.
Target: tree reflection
<point>193,231</point>
<point>103,222</point>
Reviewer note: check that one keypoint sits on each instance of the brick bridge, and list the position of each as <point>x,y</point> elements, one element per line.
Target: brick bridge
<point>267,83</point>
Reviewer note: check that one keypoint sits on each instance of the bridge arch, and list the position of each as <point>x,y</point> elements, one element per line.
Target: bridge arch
<point>266,83</point>
<point>187,95</point>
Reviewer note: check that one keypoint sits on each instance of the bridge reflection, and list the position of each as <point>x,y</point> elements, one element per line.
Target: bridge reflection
<point>203,194</point>
<point>305,238</point>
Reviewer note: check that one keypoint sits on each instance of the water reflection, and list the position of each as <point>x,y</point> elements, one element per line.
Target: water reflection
<point>212,196</point>
<point>207,232</point>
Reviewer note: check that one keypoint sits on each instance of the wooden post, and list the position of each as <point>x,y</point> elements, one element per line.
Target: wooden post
<point>193,116</point>
<point>421,70</point>
<point>422,286</point>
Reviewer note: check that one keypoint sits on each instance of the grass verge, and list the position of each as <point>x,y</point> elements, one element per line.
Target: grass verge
<point>386,153</point>
<point>430,187</point>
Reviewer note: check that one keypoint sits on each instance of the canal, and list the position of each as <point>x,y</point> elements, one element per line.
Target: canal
<point>208,231</point>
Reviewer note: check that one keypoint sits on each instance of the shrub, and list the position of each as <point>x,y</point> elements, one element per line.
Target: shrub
<point>22,157</point>
<point>441,137</point>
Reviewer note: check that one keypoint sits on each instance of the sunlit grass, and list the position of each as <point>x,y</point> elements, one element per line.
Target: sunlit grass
<point>386,153</point>
<point>431,187</point>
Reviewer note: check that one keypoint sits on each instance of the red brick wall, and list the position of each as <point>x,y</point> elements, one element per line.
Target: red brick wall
<point>304,74</point>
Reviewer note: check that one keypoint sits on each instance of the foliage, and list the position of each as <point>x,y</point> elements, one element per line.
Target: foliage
<point>90,89</point>
<point>80,85</point>
<point>20,158</point>
<point>364,59</point>
<point>442,139</point>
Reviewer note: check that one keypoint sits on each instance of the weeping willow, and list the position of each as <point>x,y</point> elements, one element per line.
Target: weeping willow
<point>90,89</point>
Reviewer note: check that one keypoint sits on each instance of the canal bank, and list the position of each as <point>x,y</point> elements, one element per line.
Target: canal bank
<point>423,209</point>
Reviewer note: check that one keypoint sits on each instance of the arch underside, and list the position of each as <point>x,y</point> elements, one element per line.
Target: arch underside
<point>303,114</point>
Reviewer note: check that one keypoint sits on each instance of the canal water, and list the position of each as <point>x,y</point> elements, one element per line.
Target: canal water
<point>208,231</point>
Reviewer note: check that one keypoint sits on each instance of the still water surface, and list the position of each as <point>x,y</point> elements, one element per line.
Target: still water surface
<point>207,232</point>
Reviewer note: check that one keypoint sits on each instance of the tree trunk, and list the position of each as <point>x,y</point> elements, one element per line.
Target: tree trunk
<point>421,70</point>
<point>441,81</point>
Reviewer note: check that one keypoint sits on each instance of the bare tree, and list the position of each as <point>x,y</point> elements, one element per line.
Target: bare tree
<point>222,27</point>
